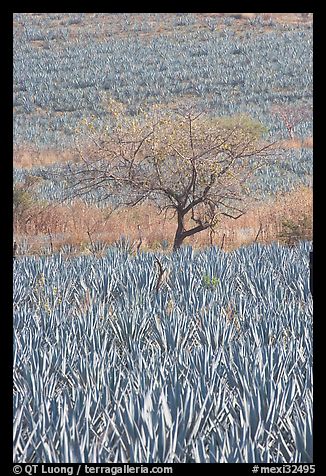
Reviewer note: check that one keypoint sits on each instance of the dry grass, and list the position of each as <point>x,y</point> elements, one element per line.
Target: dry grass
<point>28,157</point>
<point>284,18</point>
<point>79,223</point>
<point>297,143</point>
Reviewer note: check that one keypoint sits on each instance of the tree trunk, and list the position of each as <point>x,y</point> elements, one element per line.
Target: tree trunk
<point>182,233</point>
<point>178,240</point>
<point>179,234</point>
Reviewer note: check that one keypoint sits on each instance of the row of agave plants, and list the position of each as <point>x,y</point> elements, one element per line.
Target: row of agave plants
<point>214,364</point>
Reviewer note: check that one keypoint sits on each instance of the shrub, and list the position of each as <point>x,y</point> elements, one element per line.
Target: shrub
<point>22,200</point>
<point>294,231</point>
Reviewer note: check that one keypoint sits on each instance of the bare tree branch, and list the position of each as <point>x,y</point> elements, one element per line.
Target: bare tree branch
<point>187,163</point>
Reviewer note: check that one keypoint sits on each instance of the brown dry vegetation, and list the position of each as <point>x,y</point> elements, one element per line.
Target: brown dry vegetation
<point>28,157</point>
<point>285,18</point>
<point>79,223</point>
<point>296,143</point>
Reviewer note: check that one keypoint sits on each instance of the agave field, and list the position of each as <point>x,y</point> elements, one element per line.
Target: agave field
<point>214,366</point>
<point>66,66</point>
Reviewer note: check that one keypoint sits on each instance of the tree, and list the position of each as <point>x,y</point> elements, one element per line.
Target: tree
<point>292,115</point>
<point>195,165</point>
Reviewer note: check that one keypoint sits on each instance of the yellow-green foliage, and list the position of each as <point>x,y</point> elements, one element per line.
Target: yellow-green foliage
<point>162,133</point>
